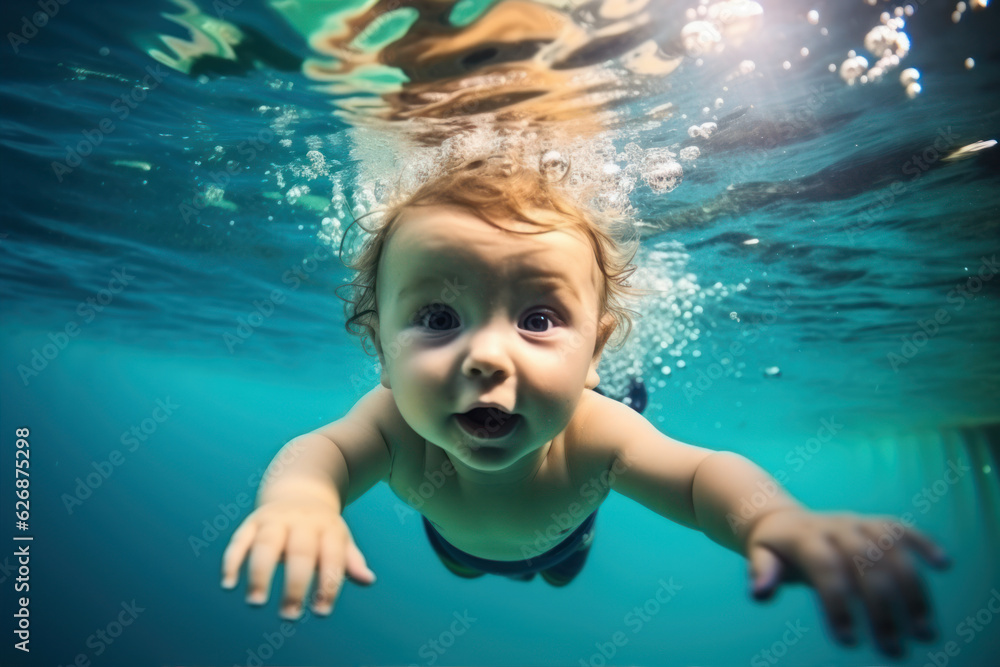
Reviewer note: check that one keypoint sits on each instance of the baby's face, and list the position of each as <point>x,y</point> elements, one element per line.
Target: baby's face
<point>471,314</point>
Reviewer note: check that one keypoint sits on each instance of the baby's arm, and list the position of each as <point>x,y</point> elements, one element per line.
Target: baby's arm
<point>299,504</point>
<point>738,505</point>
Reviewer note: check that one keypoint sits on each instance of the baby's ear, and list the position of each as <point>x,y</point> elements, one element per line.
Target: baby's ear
<point>605,328</point>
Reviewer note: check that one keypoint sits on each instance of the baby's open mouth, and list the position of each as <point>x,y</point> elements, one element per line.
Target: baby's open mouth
<point>487,423</point>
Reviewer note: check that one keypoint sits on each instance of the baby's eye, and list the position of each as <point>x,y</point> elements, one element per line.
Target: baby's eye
<point>540,318</point>
<point>436,317</point>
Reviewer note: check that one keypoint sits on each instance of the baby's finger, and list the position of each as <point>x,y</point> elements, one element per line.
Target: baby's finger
<point>878,590</point>
<point>834,584</point>
<point>264,557</point>
<point>331,572</point>
<point>301,554</point>
<point>357,566</point>
<point>926,547</point>
<point>915,598</point>
<point>236,552</point>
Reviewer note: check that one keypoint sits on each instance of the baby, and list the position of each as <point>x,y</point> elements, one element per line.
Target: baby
<point>489,296</point>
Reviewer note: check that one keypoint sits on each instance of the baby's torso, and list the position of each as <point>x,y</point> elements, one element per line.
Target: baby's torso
<point>513,522</point>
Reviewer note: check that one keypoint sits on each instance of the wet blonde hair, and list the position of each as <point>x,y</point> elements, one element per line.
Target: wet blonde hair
<point>497,189</point>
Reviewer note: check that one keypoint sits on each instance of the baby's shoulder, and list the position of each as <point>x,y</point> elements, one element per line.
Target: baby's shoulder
<point>395,431</point>
<point>584,437</point>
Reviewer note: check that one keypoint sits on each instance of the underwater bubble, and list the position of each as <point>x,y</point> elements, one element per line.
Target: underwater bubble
<point>913,90</point>
<point>908,76</point>
<point>737,16</point>
<point>666,370</point>
<point>681,363</point>
<point>803,52</point>
<point>881,38</point>
<point>772,372</point>
<point>694,131</point>
<point>969,63</point>
<point>902,44</point>
<point>700,37</point>
<point>662,176</point>
<point>786,65</point>
<point>708,128</point>
<point>690,153</point>
<point>553,165</point>
<point>747,66</point>
<point>813,16</point>
<point>852,68</point>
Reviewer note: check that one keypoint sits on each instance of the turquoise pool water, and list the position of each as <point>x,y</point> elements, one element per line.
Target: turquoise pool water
<point>827,308</point>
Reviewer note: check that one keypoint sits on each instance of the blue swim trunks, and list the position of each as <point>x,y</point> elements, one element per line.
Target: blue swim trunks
<point>559,564</point>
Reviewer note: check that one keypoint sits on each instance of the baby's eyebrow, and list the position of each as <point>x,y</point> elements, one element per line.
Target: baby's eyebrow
<point>543,282</point>
<point>418,284</point>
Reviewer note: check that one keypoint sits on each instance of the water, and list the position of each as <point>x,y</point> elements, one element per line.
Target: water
<point>819,226</point>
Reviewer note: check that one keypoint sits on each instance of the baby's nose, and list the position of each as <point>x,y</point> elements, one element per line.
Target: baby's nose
<point>488,358</point>
<point>485,365</point>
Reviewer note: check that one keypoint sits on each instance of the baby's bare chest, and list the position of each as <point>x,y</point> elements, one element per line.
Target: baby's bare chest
<point>502,523</point>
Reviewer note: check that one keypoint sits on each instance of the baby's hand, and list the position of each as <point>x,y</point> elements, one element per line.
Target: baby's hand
<point>309,534</point>
<point>846,555</point>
